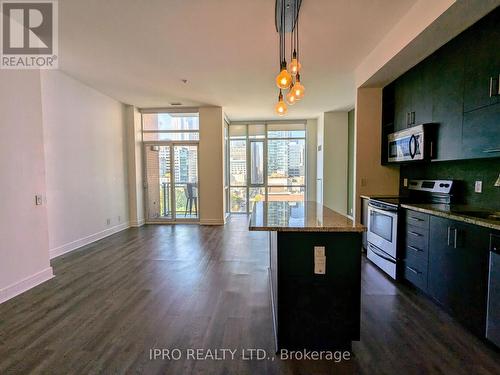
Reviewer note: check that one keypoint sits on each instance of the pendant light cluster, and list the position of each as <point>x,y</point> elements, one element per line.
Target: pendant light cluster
<point>289,75</point>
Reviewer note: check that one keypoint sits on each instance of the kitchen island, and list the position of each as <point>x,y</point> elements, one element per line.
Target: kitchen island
<point>315,274</point>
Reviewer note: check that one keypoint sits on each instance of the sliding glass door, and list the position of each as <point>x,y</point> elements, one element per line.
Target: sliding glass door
<point>171,182</point>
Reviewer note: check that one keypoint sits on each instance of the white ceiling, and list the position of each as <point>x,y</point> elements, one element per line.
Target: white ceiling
<point>138,52</point>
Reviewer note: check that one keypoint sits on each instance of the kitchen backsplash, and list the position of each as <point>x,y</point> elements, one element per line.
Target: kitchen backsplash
<point>465,173</point>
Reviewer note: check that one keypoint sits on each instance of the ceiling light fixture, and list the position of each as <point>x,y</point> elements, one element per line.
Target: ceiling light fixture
<point>288,78</point>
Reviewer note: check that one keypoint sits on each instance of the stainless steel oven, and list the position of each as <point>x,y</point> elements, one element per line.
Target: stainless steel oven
<point>382,235</point>
<point>415,143</point>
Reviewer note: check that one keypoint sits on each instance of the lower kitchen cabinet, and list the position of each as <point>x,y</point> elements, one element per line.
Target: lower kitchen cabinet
<point>458,270</point>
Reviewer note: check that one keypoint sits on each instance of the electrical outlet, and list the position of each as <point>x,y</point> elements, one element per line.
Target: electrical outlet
<point>38,200</point>
<point>319,260</point>
<point>108,221</point>
<point>405,182</point>
<point>478,187</point>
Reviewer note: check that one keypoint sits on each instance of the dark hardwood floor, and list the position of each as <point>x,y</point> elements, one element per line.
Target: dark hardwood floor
<point>207,287</point>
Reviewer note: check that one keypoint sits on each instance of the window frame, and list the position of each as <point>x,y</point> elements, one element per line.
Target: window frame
<point>248,139</point>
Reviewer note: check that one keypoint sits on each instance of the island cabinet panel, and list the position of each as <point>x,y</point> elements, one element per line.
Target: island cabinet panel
<point>318,311</point>
<point>458,270</point>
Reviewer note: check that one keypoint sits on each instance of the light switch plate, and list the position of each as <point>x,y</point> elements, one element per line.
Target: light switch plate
<point>478,187</point>
<point>405,182</point>
<point>319,260</point>
<point>319,251</point>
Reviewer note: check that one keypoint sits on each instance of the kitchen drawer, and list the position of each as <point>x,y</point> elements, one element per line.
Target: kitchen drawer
<point>415,271</point>
<point>417,219</point>
<point>417,237</point>
<point>416,250</point>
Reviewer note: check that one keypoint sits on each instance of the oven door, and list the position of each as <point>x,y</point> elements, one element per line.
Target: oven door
<point>382,229</point>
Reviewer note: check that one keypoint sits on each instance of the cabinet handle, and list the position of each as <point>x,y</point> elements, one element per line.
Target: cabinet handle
<point>413,118</point>
<point>455,237</point>
<point>415,234</point>
<point>416,272</point>
<point>491,150</point>
<point>494,86</point>
<point>407,118</point>
<point>415,218</point>
<point>415,248</point>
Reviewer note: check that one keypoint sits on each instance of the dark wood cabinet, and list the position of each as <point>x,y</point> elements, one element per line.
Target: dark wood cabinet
<point>447,98</point>
<point>481,133</point>
<point>458,270</point>
<point>412,97</point>
<point>415,249</point>
<point>482,63</point>
<point>458,88</point>
<point>402,102</point>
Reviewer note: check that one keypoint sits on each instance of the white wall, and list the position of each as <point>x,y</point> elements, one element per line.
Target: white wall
<point>85,153</point>
<point>135,166</point>
<point>24,244</point>
<point>211,166</point>
<point>370,177</point>
<point>312,149</point>
<point>335,153</point>
<point>319,157</point>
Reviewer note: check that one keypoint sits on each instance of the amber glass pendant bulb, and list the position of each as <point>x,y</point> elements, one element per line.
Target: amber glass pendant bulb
<point>295,65</point>
<point>298,89</point>
<point>280,107</point>
<point>290,97</point>
<point>283,79</point>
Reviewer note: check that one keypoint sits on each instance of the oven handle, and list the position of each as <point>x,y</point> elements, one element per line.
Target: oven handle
<point>380,209</point>
<point>372,248</point>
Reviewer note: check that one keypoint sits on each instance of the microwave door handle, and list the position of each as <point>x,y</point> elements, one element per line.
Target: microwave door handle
<point>413,141</point>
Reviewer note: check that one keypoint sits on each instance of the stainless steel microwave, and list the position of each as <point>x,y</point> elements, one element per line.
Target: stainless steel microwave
<point>415,143</point>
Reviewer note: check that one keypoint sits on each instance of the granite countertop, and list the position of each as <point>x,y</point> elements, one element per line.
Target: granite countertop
<point>299,217</point>
<point>455,212</point>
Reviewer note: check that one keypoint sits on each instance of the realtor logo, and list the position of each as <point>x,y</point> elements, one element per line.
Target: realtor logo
<point>29,34</point>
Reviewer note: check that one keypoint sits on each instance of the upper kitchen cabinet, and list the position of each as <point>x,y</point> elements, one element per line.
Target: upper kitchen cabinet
<point>412,99</point>
<point>481,127</point>
<point>457,88</point>
<point>482,63</point>
<point>447,99</point>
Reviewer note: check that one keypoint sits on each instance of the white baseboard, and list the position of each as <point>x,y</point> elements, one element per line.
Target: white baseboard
<point>66,248</point>
<point>27,283</point>
<point>211,222</point>
<point>138,223</point>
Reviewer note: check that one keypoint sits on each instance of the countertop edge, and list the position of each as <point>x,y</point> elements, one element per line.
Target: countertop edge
<point>453,216</point>
<point>306,229</point>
